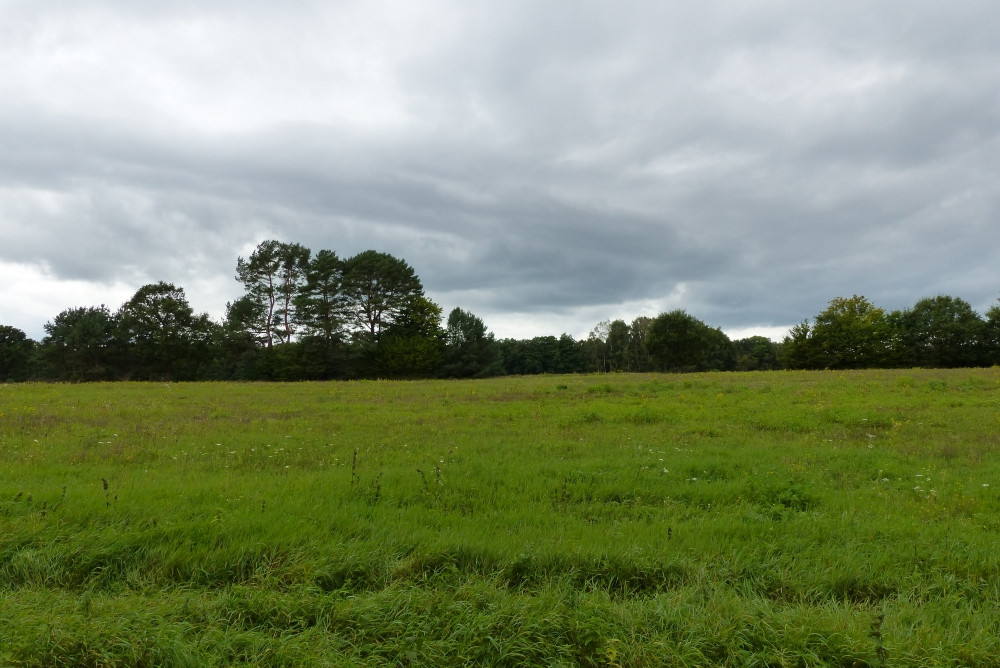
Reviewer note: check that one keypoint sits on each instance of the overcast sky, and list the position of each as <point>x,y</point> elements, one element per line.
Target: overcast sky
<point>544,164</point>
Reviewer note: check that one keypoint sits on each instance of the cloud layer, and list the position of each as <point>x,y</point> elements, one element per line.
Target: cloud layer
<point>544,165</point>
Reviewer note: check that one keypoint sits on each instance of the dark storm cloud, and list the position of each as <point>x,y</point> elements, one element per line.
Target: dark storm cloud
<point>745,162</point>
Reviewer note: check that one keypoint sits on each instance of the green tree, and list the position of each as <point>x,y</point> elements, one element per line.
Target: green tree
<point>321,301</point>
<point>378,288</point>
<point>797,350</point>
<point>852,333</point>
<point>943,332</point>
<point>677,341</point>
<point>259,276</point>
<point>617,344</point>
<point>511,355</point>
<point>79,344</point>
<point>292,272</point>
<point>720,355</point>
<point>571,355</point>
<point>991,336</point>
<point>413,345</point>
<point>273,276</point>
<point>206,349</point>
<point>157,328</point>
<point>15,354</point>
<point>243,321</point>
<point>597,347</point>
<point>542,354</point>
<point>471,351</point>
<point>638,354</point>
<point>755,353</point>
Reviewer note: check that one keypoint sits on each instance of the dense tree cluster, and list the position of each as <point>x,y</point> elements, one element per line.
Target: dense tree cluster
<point>853,333</point>
<point>301,316</point>
<point>306,316</point>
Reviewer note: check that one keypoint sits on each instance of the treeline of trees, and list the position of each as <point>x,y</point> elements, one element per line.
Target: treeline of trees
<point>301,316</point>
<point>315,317</point>
<point>851,333</point>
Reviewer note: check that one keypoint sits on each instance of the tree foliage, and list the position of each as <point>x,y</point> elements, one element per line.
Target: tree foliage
<point>378,288</point>
<point>272,277</point>
<point>677,341</point>
<point>542,354</point>
<point>991,336</point>
<point>413,345</point>
<point>15,354</point>
<point>851,333</point>
<point>943,332</point>
<point>158,329</point>
<point>320,302</point>
<point>755,353</point>
<point>471,350</point>
<point>292,272</point>
<point>78,344</point>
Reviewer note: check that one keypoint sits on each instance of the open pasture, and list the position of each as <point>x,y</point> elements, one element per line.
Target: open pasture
<point>769,519</point>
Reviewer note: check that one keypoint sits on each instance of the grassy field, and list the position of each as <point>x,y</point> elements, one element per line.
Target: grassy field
<point>755,519</point>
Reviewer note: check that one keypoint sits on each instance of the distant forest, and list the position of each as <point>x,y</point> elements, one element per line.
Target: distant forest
<point>306,316</point>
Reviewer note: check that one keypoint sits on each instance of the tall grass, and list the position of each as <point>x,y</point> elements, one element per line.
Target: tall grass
<point>785,518</point>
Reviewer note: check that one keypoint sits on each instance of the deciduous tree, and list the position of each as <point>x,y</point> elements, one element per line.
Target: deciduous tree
<point>638,355</point>
<point>943,332</point>
<point>852,333</point>
<point>991,336</point>
<point>677,341</point>
<point>78,343</point>
<point>413,345</point>
<point>755,353</point>
<point>617,344</point>
<point>15,354</point>
<point>470,349</point>
<point>156,327</point>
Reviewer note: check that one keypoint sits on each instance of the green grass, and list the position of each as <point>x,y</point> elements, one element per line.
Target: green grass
<point>769,519</point>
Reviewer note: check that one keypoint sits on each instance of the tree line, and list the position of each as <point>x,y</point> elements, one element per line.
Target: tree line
<point>305,316</point>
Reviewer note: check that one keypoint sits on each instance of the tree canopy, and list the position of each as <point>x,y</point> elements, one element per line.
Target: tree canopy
<point>677,341</point>
<point>378,288</point>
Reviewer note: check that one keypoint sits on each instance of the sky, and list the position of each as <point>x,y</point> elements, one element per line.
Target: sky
<point>544,164</point>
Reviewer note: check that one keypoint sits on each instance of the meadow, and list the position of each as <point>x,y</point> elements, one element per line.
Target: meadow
<point>735,519</point>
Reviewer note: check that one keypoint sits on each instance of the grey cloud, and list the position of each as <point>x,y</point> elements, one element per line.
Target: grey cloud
<point>758,161</point>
